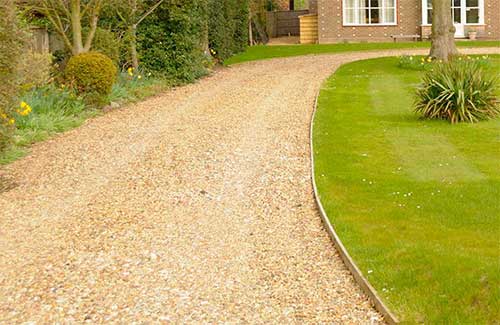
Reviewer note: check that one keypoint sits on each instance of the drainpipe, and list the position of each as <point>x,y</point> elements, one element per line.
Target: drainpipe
<point>292,5</point>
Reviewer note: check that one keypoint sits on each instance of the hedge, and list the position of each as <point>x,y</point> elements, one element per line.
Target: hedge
<point>228,27</point>
<point>11,46</point>
<point>170,41</point>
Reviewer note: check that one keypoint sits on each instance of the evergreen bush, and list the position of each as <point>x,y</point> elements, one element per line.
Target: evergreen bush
<point>170,40</point>
<point>91,75</point>
<point>227,27</point>
<point>11,47</point>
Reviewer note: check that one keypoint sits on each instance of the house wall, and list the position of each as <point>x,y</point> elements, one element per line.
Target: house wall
<point>313,6</point>
<point>491,29</point>
<point>409,22</point>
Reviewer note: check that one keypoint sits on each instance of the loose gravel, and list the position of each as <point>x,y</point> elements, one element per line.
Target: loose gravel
<point>194,206</point>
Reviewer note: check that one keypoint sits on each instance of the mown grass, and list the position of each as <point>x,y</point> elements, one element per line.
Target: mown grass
<point>261,52</point>
<point>416,202</point>
<point>56,110</point>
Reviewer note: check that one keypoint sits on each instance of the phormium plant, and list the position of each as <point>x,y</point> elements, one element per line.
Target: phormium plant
<point>459,91</point>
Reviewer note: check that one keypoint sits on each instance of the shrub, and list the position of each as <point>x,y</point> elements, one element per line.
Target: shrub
<point>228,27</point>
<point>34,69</point>
<point>91,75</point>
<point>11,45</point>
<point>107,43</point>
<point>458,91</point>
<point>169,40</point>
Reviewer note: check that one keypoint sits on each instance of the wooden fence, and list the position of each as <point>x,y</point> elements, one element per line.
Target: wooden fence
<point>41,41</point>
<point>284,23</point>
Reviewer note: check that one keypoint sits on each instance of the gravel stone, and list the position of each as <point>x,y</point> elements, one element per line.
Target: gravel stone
<point>194,206</point>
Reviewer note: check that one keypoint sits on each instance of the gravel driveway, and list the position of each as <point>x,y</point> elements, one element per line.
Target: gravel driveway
<point>192,206</point>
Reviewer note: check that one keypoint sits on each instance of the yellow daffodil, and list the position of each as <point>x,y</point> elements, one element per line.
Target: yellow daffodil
<point>12,121</point>
<point>139,77</point>
<point>25,109</point>
<point>130,71</point>
<point>429,59</point>
<point>3,116</point>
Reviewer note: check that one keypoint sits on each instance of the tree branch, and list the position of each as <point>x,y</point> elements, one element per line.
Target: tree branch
<point>149,12</point>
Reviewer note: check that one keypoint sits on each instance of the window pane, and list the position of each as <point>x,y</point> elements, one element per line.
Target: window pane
<point>376,3</point>
<point>472,3</point>
<point>429,16</point>
<point>456,3</point>
<point>389,16</point>
<point>349,3</point>
<point>349,16</point>
<point>457,16</point>
<point>363,16</point>
<point>375,19</point>
<point>473,16</point>
<point>389,3</point>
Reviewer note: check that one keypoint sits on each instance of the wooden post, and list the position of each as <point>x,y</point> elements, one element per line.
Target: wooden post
<point>292,5</point>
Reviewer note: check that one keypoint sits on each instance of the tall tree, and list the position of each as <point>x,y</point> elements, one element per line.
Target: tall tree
<point>68,18</point>
<point>443,32</point>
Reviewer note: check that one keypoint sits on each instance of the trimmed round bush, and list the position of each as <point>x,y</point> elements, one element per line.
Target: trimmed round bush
<point>91,74</point>
<point>458,91</point>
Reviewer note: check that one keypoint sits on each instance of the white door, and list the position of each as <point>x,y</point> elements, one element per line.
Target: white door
<point>458,14</point>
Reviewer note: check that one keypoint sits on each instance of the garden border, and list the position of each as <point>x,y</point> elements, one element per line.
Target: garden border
<point>365,285</point>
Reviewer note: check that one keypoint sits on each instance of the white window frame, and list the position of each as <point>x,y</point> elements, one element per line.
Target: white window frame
<point>425,7</point>
<point>356,13</point>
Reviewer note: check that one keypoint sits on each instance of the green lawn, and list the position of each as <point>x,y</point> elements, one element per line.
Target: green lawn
<point>261,52</point>
<point>417,203</point>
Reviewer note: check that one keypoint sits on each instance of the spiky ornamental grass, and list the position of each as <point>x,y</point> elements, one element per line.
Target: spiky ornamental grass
<point>462,90</point>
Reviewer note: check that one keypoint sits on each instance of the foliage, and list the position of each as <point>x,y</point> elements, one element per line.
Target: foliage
<point>458,91</point>
<point>91,74</point>
<point>34,69</point>
<point>228,27</point>
<point>134,85</point>
<point>411,62</point>
<point>50,110</point>
<point>107,43</point>
<point>169,40</point>
<point>11,46</point>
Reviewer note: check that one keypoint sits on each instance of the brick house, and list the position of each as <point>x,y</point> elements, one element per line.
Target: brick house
<point>377,20</point>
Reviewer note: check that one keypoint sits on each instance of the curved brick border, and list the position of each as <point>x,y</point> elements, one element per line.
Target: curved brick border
<point>389,317</point>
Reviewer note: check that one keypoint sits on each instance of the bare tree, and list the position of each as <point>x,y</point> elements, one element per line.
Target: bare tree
<point>443,32</point>
<point>132,13</point>
<point>66,16</point>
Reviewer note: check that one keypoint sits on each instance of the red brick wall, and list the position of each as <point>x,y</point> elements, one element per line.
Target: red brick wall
<point>409,20</point>
<point>491,19</point>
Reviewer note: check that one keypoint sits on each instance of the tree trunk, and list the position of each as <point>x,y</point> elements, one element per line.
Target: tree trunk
<point>250,31</point>
<point>76,27</point>
<point>133,47</point>
<point>443,32</point>
<point>205,46</point>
